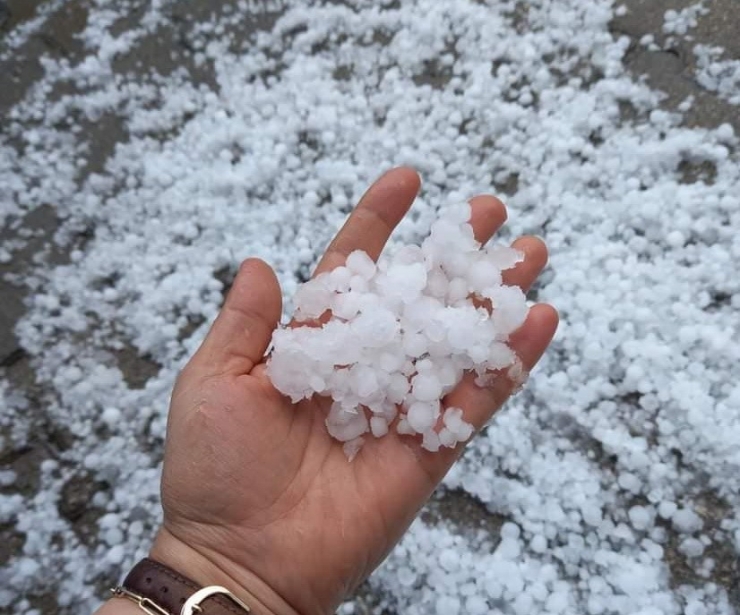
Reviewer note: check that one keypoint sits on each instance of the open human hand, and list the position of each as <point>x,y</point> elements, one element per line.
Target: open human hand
<point>257,496</point>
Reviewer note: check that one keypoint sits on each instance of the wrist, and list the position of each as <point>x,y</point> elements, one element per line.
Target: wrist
<point>208,569</point>
<point>118,606</point>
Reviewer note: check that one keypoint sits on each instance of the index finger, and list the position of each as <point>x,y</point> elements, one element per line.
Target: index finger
<point>371,223</point>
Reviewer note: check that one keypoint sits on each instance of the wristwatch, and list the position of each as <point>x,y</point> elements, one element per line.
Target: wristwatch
<point>159,590</point>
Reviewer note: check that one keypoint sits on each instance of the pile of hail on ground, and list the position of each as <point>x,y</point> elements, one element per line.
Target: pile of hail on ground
<point>616,472</point>
<point>401,334</point>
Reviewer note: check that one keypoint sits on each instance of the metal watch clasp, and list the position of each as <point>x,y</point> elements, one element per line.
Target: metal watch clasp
<point>192,604</point>
<point>145,604</point>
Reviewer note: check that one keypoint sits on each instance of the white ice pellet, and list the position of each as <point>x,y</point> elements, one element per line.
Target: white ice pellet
<point>510,530</point>
<point>509,305</point>
<point>687,521</point>
<point>447,438</point>
<point>430,441</point>
<point>317,383</point>
<point>640,517</point>
<point>456,426</point>
<point>422,415</point>
<point>404,428</point>
<point>482,275</point>
<point>437,284</point>
<point>311,301</point>
<point>360,263</point>
<point>666,509</point>
<point>449,559</point>
<point>115,554</point>
<point>364,381</point>
<point>352,447</point>
<point>426,387</point>
<point>476,605</point>
<point>538,544</point>
<point>345,306</point>
<point>452,418</point>
<point>457,290</point>
<point>415,345</point>
<point>630,482</point>
<point>397,388</point>
<point>111,416</point>
<point>344,424</point>
<point>358,284</point>
<point>406,577</point>
<point>448,375</point>
<point>502,257</point>
<point>464,432</point>
<point>457,213</point>
<point>401,334</point>
<point>113,536</point>
<point>447,605</point>
<point>378,426</point>
<point>500,355</point>
<point>691,547</point>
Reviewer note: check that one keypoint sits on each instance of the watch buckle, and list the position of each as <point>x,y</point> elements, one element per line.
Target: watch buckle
<point>193,604</point>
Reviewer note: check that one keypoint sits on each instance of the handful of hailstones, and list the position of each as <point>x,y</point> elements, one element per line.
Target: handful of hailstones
<point>388,341</point>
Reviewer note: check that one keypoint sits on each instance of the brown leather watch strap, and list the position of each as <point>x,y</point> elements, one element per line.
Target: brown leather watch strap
<point>169,590</point>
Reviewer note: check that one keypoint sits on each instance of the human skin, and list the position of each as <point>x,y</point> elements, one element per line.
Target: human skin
<point>257,496</point>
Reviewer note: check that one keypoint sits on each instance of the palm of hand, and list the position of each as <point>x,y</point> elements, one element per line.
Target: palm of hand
<point>256,485</point>
<point>269,480</point>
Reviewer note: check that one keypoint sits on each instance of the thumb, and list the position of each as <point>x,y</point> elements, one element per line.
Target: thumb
<point>242,331</point>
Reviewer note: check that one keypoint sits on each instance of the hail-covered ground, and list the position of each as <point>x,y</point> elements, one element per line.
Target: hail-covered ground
<point>171,146</point>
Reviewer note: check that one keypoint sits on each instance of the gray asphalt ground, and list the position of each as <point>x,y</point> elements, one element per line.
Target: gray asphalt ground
<point>671,70</point>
